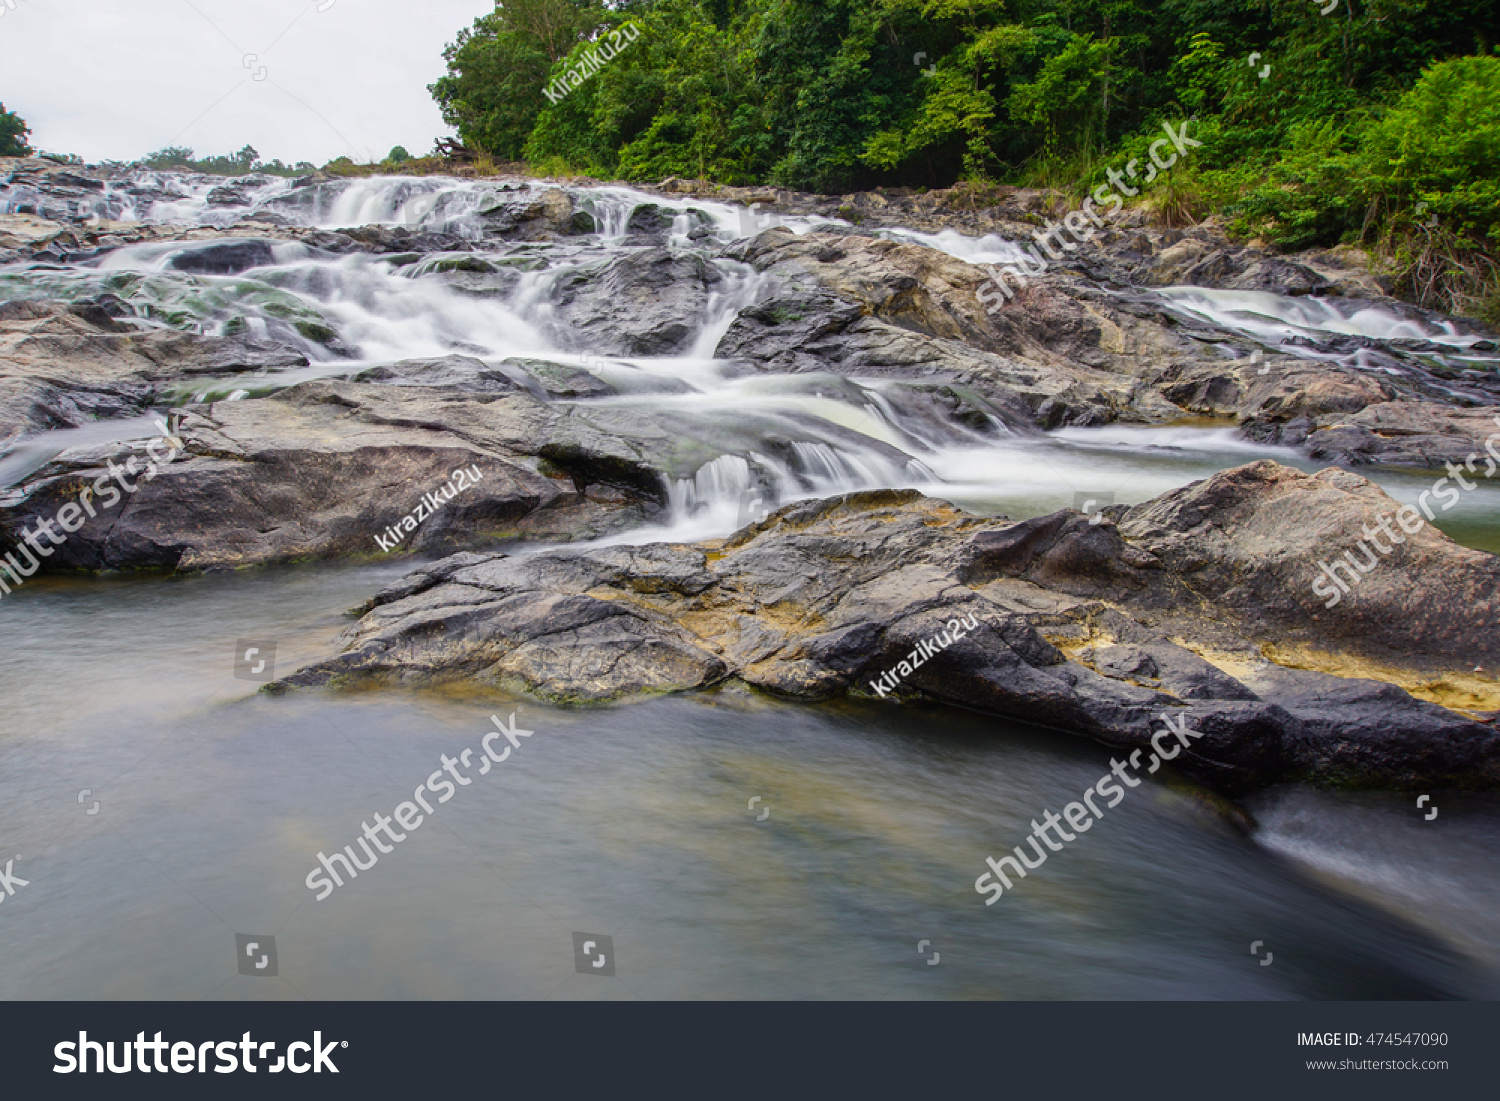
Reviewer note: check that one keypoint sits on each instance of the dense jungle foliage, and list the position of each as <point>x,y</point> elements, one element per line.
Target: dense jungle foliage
<point>1322,120</point>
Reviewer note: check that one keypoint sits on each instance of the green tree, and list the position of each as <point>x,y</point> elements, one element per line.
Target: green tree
<point>173,156</point>
<point>247,160</point>
<point>492,93</point>
<point>1440,144</point>
<point>13,131</point>
<point>831,95</point>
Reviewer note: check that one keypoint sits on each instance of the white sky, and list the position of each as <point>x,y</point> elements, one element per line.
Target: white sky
<point>117,79</point>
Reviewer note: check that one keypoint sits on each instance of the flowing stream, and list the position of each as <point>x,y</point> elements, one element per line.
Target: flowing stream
<point>643,823</point>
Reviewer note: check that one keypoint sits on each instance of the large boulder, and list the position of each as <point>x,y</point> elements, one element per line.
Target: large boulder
<point>647,301</point>
<point>324,469</point>
<point>1194,608</point>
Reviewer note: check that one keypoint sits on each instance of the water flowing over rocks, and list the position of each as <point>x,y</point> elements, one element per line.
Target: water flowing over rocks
<point>320,469</point>
<point>60,368</point>
<point>648,370</point>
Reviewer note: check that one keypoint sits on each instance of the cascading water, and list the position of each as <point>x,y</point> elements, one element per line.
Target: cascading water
<point>784,436</point>
<point>778,437</point>
<point>1273,318</point>
<point>989,249</point>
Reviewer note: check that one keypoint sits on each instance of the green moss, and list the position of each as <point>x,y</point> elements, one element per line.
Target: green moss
<point>462,263</point>
<point>314,330</point>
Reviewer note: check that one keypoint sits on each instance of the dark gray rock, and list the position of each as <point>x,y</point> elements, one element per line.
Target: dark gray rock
<point>1054,621</point>
<point>227,258</point>
<point>321,469</point>
<point>642,302</point>
<point>60,368</point>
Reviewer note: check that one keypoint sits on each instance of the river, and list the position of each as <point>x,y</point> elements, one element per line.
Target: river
<point>728,845</point>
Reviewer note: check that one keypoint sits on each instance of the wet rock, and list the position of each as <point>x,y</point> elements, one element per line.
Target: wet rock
<point>1251,541</point>
<point>382,239</point>
<point>465,374</point>
<point>61,368</point>
<point>873,306</point>
<point>227,196</point>
<point>1096,628</point>
<point>642,302</point>
<point>1201,260</point>
<point>321,469</point>
<point>229,258</point>
<point>612,463</point>
<point>649,223</point>
<point>73,179</point>
<point>1058,353</point>
<point>26,231</point>
<point>1408,433</point>
<point>563,380</point>
<point>459,373</point>
<point>527,216</point>
<point>104,311</point>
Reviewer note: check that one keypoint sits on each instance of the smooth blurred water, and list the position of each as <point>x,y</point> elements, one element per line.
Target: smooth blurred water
<point>635,822</point>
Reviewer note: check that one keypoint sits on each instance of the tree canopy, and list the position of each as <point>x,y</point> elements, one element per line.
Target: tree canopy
<point>13,131</point>
<point>1322,120</point>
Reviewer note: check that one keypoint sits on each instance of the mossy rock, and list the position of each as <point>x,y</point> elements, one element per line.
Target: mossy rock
<point>315,330</point>
<point>463,263</point>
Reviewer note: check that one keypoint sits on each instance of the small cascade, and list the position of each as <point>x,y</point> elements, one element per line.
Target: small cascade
<point>734,490</point>
<point>822,470</point>
<point>742,286</point>
<point>1279,321</point>
<point>611,208</point>
<point>721,487</point>
<point>989,249</point>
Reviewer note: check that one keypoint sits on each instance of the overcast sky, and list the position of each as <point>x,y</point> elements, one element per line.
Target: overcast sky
<point>111,79</point>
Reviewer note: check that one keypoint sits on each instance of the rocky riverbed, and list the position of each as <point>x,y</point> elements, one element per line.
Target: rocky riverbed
<point>644,374</point>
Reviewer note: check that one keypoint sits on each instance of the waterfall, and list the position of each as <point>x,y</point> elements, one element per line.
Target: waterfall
<point>758,439</point>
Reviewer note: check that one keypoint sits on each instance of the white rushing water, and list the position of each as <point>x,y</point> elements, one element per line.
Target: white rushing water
<point>770,438</point>
<point>1273,318</point>
<point>989,249</point>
